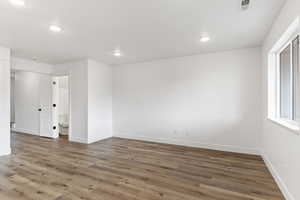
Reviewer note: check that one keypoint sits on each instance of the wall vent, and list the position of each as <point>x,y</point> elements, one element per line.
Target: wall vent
<point>245,4</point>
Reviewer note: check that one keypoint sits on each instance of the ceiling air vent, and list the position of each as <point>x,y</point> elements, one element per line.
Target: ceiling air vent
<point>245,4</point>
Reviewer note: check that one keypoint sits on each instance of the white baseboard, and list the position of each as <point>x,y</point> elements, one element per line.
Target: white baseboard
<point>279,181</point>
<point>229,148</point>
<point>29,132</point>
<point>5,152</point>
<point>99,139</point>
<point>21,130</point>
<point>78,140</point>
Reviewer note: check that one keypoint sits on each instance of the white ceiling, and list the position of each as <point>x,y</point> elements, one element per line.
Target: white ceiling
<point>143,29</point>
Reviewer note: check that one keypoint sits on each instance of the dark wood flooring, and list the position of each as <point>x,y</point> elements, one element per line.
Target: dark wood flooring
<point>120,169</point>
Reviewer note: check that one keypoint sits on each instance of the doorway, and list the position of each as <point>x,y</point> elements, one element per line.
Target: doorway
<point>63,106</point>
<point>34,103</point>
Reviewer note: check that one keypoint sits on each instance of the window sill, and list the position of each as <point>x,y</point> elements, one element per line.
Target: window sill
<point>294,127</point>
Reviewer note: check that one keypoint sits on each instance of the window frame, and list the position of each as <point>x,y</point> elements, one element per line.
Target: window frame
<point>274,79</point>
<point>292,112</point>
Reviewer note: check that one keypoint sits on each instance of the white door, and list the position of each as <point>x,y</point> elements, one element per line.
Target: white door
<point>45,110</point>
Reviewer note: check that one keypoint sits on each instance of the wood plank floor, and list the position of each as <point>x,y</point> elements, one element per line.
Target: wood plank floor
<point>120,169</point>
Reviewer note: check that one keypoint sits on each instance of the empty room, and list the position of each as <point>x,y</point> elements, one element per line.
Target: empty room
<point>149,100</point>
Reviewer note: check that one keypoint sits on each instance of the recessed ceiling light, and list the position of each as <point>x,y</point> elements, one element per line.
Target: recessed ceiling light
<point>55,28</point>
<point>18,2</point>
<point>117,53</point>
<point>204,38</point>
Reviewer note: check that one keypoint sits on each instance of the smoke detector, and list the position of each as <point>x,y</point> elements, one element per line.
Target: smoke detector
<point>245,4</point>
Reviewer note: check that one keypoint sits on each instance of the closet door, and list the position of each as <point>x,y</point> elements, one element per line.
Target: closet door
<point>45,110</point>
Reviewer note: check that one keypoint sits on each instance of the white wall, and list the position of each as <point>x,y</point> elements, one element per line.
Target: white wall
<point>99,101</point>
<point>27,102</point>
<point>89,81</point>
<point>281,147</point>
<point>209,100</point>
<point>77,72</point>
<point>26,93</point>
<point>90,99</point>
<point>4,101</point>
<point>30,66</point>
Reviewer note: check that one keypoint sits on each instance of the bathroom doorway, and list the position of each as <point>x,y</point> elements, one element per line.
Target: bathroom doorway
<point>63,106</point>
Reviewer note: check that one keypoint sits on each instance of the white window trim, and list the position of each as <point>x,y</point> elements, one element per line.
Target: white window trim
<point>273,78</point>
<point>290,125</point>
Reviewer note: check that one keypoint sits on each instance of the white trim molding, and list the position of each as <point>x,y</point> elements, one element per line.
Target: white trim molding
<point>274,77</point>
<point>218,147</point>
<point>5,151</point>
<point>282,186</point>
<point>26,131</point>
<point>91,141</point>
<point>78,139</point>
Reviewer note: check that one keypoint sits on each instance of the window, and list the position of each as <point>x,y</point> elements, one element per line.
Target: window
<point>296,68</point>
<point>284,79</point>
<point>288,73</point>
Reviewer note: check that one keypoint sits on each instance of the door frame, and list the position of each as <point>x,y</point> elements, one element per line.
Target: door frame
<point>38,133</point>
<point>53,75</point>
<point>55,112</point>
<point>55,106</point>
